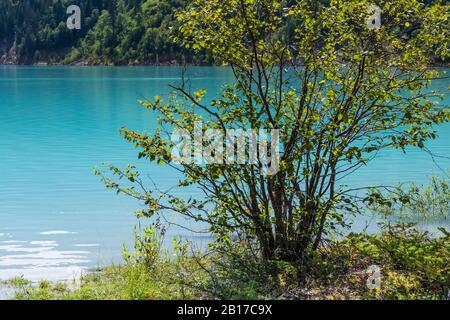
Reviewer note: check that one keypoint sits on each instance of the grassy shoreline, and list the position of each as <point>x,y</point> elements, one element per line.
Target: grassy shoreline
<point>413,266</point>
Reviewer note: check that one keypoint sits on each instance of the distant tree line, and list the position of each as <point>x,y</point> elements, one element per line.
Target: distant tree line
<point>119,32</point>
<point>112,32</point>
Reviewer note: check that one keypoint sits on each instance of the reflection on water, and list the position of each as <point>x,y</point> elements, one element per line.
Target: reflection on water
<point>33,259</point>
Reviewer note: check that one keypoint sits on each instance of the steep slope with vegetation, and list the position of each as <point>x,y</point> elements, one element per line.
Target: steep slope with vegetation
<point>112,32</point>
<point>116,32</point>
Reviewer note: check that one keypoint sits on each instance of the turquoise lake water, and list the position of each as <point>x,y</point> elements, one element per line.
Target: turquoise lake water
<point>57,123</point>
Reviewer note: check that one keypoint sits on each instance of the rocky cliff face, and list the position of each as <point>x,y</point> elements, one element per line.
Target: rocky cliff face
<point>8,54</point>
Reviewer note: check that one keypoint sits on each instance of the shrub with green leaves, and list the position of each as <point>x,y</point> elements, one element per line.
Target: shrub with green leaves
<point>338,91</point>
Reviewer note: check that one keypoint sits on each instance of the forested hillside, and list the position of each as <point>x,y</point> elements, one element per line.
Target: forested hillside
<point>119,32</point>
<point>112,32</point>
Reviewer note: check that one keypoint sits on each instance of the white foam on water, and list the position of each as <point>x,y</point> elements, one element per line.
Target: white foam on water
<point>20,248</point>
<point>56,232</point>
<point>53,274</point>
<point>44,243</point>
<point>12,242</point>
<point>87,245</point>
<point>39,260</point>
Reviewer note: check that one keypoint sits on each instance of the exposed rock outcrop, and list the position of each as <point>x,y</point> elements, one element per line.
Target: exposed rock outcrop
<point>9,55</point>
